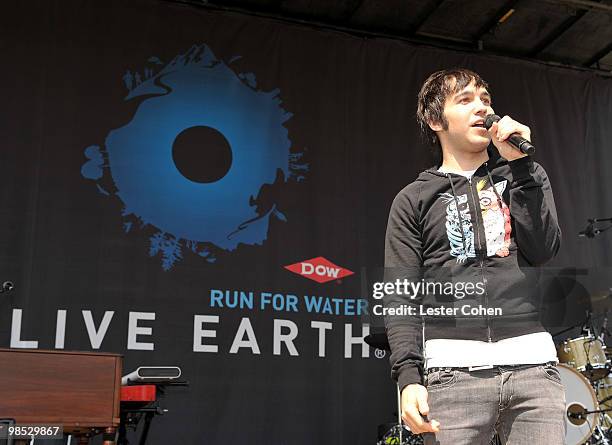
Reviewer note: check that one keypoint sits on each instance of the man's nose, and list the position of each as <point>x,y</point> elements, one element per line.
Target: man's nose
<point>482,108</point>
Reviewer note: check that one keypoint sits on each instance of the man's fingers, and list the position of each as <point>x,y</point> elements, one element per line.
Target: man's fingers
<point>435,426</point>
<point>414,407</point>
<point>412,417</point>
<point>500,128</point>
<point>494,130</point>
<point>508,126</point>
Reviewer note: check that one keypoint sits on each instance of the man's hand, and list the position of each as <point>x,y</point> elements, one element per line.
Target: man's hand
<point>500,131</point>
<point>414,404</point>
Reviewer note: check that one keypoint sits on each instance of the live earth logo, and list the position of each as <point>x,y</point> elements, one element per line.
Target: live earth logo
<point>319,269</point>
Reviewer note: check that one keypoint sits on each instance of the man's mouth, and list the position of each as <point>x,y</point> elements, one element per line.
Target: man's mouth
<point>479,124</point>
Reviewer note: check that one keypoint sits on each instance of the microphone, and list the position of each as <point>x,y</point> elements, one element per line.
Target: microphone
<point>519,142</point>
<point>7,286</point>
<point>589,231</point>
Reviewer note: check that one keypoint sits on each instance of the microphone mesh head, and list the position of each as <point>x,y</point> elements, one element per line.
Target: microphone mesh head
<point>490,119</point>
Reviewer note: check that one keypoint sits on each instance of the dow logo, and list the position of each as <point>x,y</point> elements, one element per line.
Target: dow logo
<point>198,158</point>
<point>319,269</point>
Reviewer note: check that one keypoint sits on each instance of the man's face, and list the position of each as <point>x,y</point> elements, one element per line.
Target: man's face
<point>465,111</point>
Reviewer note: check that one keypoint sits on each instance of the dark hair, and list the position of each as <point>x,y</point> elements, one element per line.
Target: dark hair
<point>438,87</point>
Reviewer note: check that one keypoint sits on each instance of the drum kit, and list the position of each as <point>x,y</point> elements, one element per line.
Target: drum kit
<point>585,365</point>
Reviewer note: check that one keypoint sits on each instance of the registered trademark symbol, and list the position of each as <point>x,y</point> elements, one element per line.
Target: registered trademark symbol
<point>379,353</point>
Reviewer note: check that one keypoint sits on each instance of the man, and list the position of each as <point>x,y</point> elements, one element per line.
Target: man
<point>485,216</point>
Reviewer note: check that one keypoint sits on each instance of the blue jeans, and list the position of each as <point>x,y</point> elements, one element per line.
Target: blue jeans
<point>525,404</point>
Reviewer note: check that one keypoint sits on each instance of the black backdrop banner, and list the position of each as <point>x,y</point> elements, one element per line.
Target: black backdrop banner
<point>204,189</point>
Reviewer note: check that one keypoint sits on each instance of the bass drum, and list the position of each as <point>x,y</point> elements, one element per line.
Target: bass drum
<point>579,397</point>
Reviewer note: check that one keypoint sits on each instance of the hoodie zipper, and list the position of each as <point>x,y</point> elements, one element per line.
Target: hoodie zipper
<point>480,255</point>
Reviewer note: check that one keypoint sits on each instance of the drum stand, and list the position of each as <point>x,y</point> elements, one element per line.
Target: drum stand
<point>599,435</point>
<point>603,436</point>
<point>399,415</point>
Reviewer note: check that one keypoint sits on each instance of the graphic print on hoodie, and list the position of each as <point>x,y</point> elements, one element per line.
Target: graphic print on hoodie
<point>495,216</point>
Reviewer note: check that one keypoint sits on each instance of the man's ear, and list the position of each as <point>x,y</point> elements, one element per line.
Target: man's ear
<point>435,126</point>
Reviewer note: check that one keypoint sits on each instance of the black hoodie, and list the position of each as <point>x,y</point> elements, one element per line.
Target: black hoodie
<point>499,234</point>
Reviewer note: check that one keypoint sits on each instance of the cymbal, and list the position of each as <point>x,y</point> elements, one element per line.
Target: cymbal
<point>602,295</point>
<point>599,302</point>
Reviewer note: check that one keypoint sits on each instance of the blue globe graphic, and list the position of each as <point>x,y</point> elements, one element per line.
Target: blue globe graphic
<point>196,90</point>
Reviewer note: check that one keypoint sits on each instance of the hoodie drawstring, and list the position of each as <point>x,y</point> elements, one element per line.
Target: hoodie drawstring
<point>499,199</point>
